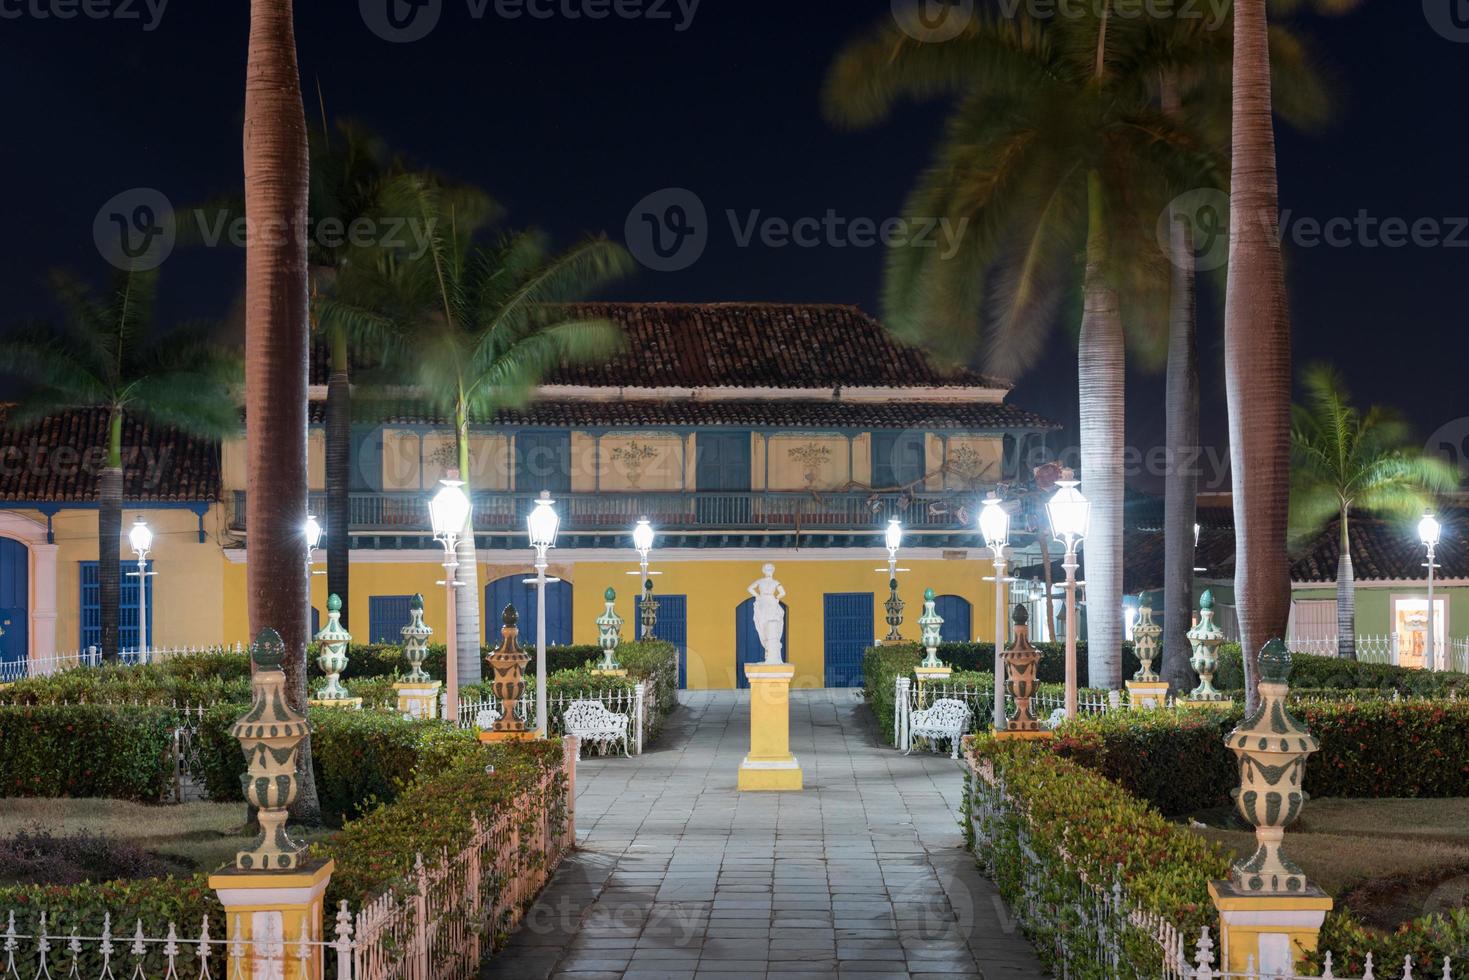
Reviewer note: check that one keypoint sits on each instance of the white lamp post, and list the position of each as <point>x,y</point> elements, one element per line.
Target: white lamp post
<point>140,536</point>
<point>642,540</point>
<point>994,525</point>
<point>1070,515</point>
<point>449,512</point>
<point>1428,532</point>
<point>893,539</point>
<point>542,525</point>
<point>311,533</point>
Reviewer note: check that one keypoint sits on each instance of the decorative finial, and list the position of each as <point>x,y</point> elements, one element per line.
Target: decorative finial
<point>928,595</point>
<point>416,602</point>
<point>1021,616</point>
<point>1206,601</point>
<point>610,595</point>
<point>269,650</point>
<point>1275,662</point>
<point>334,603</point>
<point>510,618</point>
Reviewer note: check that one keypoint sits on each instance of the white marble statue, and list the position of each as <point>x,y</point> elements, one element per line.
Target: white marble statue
<point>770,616</point>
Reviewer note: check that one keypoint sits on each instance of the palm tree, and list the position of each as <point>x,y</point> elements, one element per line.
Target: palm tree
<point>1055,146</point>
<point>1343,458</point>
<point>479,326</point>
<point>1257,346</point>
<point>104,354</point>
<point>277,338</point>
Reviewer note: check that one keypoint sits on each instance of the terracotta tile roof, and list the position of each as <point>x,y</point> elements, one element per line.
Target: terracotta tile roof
<point>762,345</point>
<point>60,457</point>
<point>754,414</point>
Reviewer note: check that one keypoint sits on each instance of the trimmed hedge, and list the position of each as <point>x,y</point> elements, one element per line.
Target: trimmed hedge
<point>1079,823</point>
<point>1309,670</point>
<point>190,682</point>
<point>1176,760</point>
<point>86,750</point>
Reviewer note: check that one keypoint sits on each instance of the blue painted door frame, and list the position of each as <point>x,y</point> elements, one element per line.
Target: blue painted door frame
<point>672,627</point>
<point>15,592</point>
<point>747,639</point>
<point>849,633</point>
<point>958,618</point>
<point>386,617</point>
<point>513,590</point>
<point>127,607</point>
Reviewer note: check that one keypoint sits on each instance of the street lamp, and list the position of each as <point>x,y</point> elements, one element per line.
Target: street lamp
<point>994,525</point>
<point>642,540</point>
<point>140,536</point>
<point>312,533</point>
<point>1070,515</point>
<point>448,513</point>
<point>1428,532</point>
<point>542,525</point>
<point>893,538</point>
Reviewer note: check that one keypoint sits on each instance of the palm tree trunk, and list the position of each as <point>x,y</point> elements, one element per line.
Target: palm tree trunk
<point>466,598</point>
<point>109,539</point>
<point>1181,438</point>
<point>276,352</point>
<point>1101,376</point>
<point>338,474</point>
<point>1257,353</point>
<point>1346,598</point>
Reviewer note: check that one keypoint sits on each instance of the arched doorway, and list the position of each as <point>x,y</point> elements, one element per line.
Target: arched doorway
<point>15,614</point>
<point>958,618</point>
<point>513,590</point>
<point>747,639</point>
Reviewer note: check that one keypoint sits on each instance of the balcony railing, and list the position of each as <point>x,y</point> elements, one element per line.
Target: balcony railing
<point>407,513</point>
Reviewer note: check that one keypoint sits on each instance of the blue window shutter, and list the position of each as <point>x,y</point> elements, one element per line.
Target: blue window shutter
<point>543,460</point>
<point>127,612</point>
<point>897,458</point>
<point>513,590</point>
<point>386,617</point>
<point>958,617</point>
<point>14,604</point>
<point>849,633</point>
<point>672,627</point>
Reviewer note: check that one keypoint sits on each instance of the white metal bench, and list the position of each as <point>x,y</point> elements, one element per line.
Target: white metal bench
<point>592,722</point>
<point>485,719</point>
<point>945,718</point>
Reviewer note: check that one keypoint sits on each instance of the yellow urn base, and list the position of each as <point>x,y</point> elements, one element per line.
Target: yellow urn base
<point>1038,735</point>
<point>268,913</point>
<point>493,736</point>
<point>770,764</point>
<point>348,704</point>
<point>1216,705</point>
<point>618,672</point>
<point>1275,932</point>
<point>1148,694</point>
<point>419,699</point>
<point>928,675</point>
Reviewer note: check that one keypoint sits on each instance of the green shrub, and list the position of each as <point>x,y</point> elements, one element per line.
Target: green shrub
<point>367,660</point>
<point>1309,670</point>
<point>1176,760</point>
<point>86,750</point>
<point>194,683</point>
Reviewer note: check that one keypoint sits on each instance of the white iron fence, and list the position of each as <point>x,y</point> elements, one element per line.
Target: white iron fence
<point>1094,929</point>
<point>14,670</point>
<point>440,922</point>
<point>1371,649</point>
<point>637,703</point>
<point>909,699</point>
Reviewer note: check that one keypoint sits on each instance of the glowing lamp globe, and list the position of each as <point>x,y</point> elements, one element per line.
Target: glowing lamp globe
<point>140,536</point>
<point>642,536</point>
<point>543,522</point>
<point>1429,530</point>
<point>894,536</point>
<point>994,524</point>
<point>1069,511</point>
<point>449,509</point>
<point>312,531</point>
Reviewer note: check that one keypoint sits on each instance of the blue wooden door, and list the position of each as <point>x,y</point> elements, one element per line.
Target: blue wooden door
<point>958,618</point>
<point>672,627</point>
<point>849,633</point>
<point>15,590</point>
<point>747,639</point>
<point>722,462</point>
<point>386,617</point>
<point>127,607</point>
<point>513,590</point>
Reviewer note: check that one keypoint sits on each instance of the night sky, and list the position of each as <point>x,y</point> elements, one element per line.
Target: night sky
<point>570,122</point>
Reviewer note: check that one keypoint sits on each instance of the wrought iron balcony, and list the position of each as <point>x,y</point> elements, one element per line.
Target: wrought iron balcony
<point>406,513</point>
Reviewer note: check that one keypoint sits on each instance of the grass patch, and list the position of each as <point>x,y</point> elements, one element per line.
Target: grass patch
<point>1386,860</point>
<point>189,837</point>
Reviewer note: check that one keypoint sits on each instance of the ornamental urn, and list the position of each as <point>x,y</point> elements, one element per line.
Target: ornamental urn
<point>609,631</point>
<point>270,733</point>
<point>332,653</point>
<point>1145,640</point>
<point>1205,638</point>
<point>507,664</point>
<point>415,640</point>
<point>1021,663</point>
<point>1271,747</point>
<point>930,625</point>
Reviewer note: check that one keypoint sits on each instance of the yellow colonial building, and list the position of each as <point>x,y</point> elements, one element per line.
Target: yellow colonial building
<point>746,433</point>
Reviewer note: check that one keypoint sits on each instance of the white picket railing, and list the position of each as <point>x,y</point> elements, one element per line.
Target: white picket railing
<point>438,924</point>
<point>15,670</point>
<point>908,698</point>
<point>637,702</point>
<point>1371,649</point>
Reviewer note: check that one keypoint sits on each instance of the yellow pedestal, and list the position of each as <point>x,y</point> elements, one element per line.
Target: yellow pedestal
<point>1276,930</point>
<point>347,704</point>
<point>419,699</point>
<point>770,765</point>
<point>927,675</point>
<point>525,736</point>
<point>1148,694</point>
<point>1216,705</point>
<point>619,672</point>
<point>270,912</point>
<point>1038,735</point>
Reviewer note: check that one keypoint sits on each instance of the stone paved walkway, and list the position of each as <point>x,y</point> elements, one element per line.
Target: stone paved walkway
<point>678,876</point>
